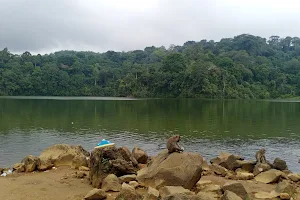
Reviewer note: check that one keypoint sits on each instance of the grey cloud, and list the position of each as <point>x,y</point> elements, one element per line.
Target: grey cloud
<point>42,26</point>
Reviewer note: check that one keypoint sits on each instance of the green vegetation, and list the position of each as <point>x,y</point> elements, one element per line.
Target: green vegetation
<point>245,67</point>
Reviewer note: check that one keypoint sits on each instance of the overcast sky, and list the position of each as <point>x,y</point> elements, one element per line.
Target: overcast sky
<point>43,26</point>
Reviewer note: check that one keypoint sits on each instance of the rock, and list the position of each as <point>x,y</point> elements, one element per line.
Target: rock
<point>231,175</point>
<point>228,195</point>
<point>223,157</point>
<point>105,161</point>
<point>127,178</point>
<point>208,187</point>
<point>124,151</point>
<point>220,158</point>
<point>134,184</point>
<point>152,194</point>
<point>285,187</point>
<point>175,169</point>
<point>62,154</point>
<point>95,194</point>
<point>78,161</point>
<point>258,168</point>
<point>219,170</point>
<point>183,197</point>
<point>279,164</point>
<point>19,167</point>
<point>216,161</point>
<point>127,192</point>
<point>80,175</point>
<point>266,195</point>
<point>231,163</point>
<point>141,166</point>
<point>83,168</point>
<point>140,155</point>
<point>31,162</point>
<point>171,190</point>
<point>211,189</point>
<point>287,172</point>
<point>208,196</point>
<point>44,164</point>
<point>271,176</point>
<point>284,196</point>
<point>244,176</point>
<point>246,165</point>
<point>202,183</point>
<point>111,183</point>
<point>122,166</point>
<point>294,177</point>
<point>205,166</point>
<point>1,170</point>
<point>236,188</point>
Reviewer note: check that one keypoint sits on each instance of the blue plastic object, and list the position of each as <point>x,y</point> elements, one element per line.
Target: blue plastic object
<point>104,142</point>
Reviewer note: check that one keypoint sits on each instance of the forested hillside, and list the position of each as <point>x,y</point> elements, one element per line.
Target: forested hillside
<point>245,66</point>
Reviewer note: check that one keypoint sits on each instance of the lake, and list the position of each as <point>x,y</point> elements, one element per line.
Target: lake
<point>30,124</point>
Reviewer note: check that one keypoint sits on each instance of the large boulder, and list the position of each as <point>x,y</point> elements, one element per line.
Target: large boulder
<point>62,154</point>
<point>271,176</point>
<point>106,161</point>
<point>175,169</point>
<point>279,164</point>
<point>237,188</point>
<point>95,194</point>
<point>127,192</point>
<point>31,163</point>
<point>111,183</point>
<point>140,155</point>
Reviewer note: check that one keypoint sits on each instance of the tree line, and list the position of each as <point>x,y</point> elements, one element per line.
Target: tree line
<point>243,67</point>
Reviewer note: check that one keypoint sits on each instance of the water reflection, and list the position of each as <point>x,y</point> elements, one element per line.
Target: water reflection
<point>27,126</point>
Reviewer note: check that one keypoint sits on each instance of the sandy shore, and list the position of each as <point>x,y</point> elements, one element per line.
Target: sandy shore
<point>51,185</point>
<point>59,184</point>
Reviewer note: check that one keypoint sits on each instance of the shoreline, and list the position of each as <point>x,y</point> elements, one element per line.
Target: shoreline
<point>70,167</point>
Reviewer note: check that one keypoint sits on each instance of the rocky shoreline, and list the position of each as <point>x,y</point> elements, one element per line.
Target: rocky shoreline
<point>175,176</point>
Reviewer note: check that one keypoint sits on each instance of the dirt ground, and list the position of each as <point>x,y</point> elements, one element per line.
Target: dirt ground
<point>59,184</point>
<point>51,185</point>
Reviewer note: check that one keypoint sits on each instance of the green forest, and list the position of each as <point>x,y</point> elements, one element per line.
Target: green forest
<point>243,67</point>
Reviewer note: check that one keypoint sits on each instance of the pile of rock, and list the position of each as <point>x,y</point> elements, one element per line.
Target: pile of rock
<point>175,176</point>
<point>235,167</point>
<point>54,156</point>
<point>118,161</point>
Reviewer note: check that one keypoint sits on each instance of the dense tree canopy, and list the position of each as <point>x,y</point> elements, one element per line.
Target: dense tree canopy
<point>245,66</point>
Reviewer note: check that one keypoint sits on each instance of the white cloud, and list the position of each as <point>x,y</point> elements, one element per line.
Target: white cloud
<point>101,25</point>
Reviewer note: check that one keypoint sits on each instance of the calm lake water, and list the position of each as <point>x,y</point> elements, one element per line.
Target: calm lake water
<point>29,125</point>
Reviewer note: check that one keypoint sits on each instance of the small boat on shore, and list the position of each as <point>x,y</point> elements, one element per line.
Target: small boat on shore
<point>104,143</point>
